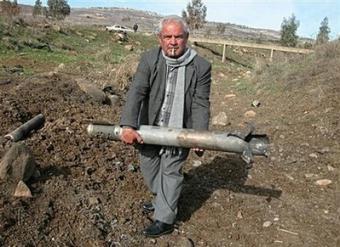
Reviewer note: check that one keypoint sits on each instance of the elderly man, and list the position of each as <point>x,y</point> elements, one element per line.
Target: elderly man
<point>171,88</point>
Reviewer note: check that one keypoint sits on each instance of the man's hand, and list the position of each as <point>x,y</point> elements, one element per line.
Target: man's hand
<point>198,151</point>
<point>130,136</point>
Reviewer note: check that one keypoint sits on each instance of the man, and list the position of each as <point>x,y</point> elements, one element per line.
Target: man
<point>171,88</point>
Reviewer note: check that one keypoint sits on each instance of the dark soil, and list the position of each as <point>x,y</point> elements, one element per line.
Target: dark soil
<point>87,196</point>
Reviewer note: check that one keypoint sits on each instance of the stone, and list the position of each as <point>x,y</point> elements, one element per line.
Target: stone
<point>93,201</point>
<point>18,164</point>
<point>309,175</point>
<point>330,168</point>
<point>267,224</point>
<point>60,67</point>
<point>323,182</point>
<point>250,114</point>
<point>6,81</point>
<point>220,119</point>
<point>56,28</point>
<point>184,242</point>
<point>256,103</point>
<point>22,190</point>
<point>128,47</point>
<point>227,96</point>
<point>95,93</point>
<point>324,150</point>
<point>196,163</point>
<point>114,99</point>
<point>131,168</point>
<point>313,155</point>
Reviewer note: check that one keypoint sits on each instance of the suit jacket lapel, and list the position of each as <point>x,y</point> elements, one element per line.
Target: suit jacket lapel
<point>188,75</point>
<point>161,78</point>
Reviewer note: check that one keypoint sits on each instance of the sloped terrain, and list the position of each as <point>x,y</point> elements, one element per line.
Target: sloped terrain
<point>90,191</point>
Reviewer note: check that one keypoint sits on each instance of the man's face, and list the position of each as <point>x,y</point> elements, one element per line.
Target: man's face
<point>173,39</point>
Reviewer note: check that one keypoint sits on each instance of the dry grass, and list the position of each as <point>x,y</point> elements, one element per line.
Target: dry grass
<point>122,75</point>
<point>299,71</point>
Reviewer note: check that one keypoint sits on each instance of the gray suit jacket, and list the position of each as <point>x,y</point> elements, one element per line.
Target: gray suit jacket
<point>146,94</point>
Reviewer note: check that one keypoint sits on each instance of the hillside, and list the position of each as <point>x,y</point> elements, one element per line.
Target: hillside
<point>148,22</point>
<point>88,191</point>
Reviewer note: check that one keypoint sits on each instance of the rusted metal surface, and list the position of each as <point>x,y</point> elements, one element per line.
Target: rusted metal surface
<point>23,130</point>
<point>188,138</point>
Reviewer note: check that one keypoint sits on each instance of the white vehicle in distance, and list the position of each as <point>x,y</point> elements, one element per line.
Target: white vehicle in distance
<point>118,28</point>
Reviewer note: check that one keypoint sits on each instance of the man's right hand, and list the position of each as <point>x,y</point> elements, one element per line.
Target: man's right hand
<point>130,136</point>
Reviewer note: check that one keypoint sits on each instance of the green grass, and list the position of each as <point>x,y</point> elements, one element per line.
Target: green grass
<point>245,87</point>
<point>74,46</point>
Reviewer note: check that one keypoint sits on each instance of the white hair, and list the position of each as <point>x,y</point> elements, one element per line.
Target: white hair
<point>173,18</point>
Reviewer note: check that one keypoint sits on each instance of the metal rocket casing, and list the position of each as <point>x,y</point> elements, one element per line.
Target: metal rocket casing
<point>246,145</point>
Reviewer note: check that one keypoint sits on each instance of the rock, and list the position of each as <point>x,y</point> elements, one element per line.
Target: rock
<point>323,182</point>
<point>128,47</point>
<point>18,164</point>
<point>109,89</point>
<point>239,215</point>
<point>220,119</point>
<point>324,150</point>
<point>184,242</point>
<point>250,114</point>
<point>256,103</point>
<point>267,223</point>
<point>330,168</point>
<point>131,168</point>
<point>22,190</point>
<point>56,28</point>
<point>227,96</point>
<point>93,201</point>
<point>114,99</point>
<point>121,37</point>
<point>313,155</point>
<point>97,94</point>
<point>18,69</point>
<point>153,241</point>
<point>6,81</point>
<point>196,163</point>
<point>79,33</point>
<point>92,37</point>
<point>60,68</point>
<point>309,175</point>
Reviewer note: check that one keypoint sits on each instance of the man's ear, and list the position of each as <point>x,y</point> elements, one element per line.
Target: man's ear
<point>159,37</point>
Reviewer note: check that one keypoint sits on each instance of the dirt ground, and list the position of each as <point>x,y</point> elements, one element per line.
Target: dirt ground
<point>87,196</point>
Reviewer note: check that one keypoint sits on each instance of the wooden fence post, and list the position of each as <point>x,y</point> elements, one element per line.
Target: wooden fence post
<point>271,55</point>
<point>223,55</point>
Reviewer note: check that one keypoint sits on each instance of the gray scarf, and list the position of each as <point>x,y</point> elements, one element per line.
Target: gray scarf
<point>177,110</point>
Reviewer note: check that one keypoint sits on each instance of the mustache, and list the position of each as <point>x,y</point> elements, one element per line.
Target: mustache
<point>173,50</point>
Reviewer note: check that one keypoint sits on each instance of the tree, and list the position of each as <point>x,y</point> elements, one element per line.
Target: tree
<point>324,30</point>
<point>288,31</point>
<point>9,9</point>
<point>58,9</point>
<point>195,14</point>
<point>220,28</point>
<point>37,9</point>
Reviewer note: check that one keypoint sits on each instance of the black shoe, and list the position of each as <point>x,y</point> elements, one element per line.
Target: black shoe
<point>148,207</point>
<point>157,229</point>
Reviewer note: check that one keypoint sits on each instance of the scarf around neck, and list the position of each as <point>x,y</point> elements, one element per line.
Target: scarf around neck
<point>177,110</point>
